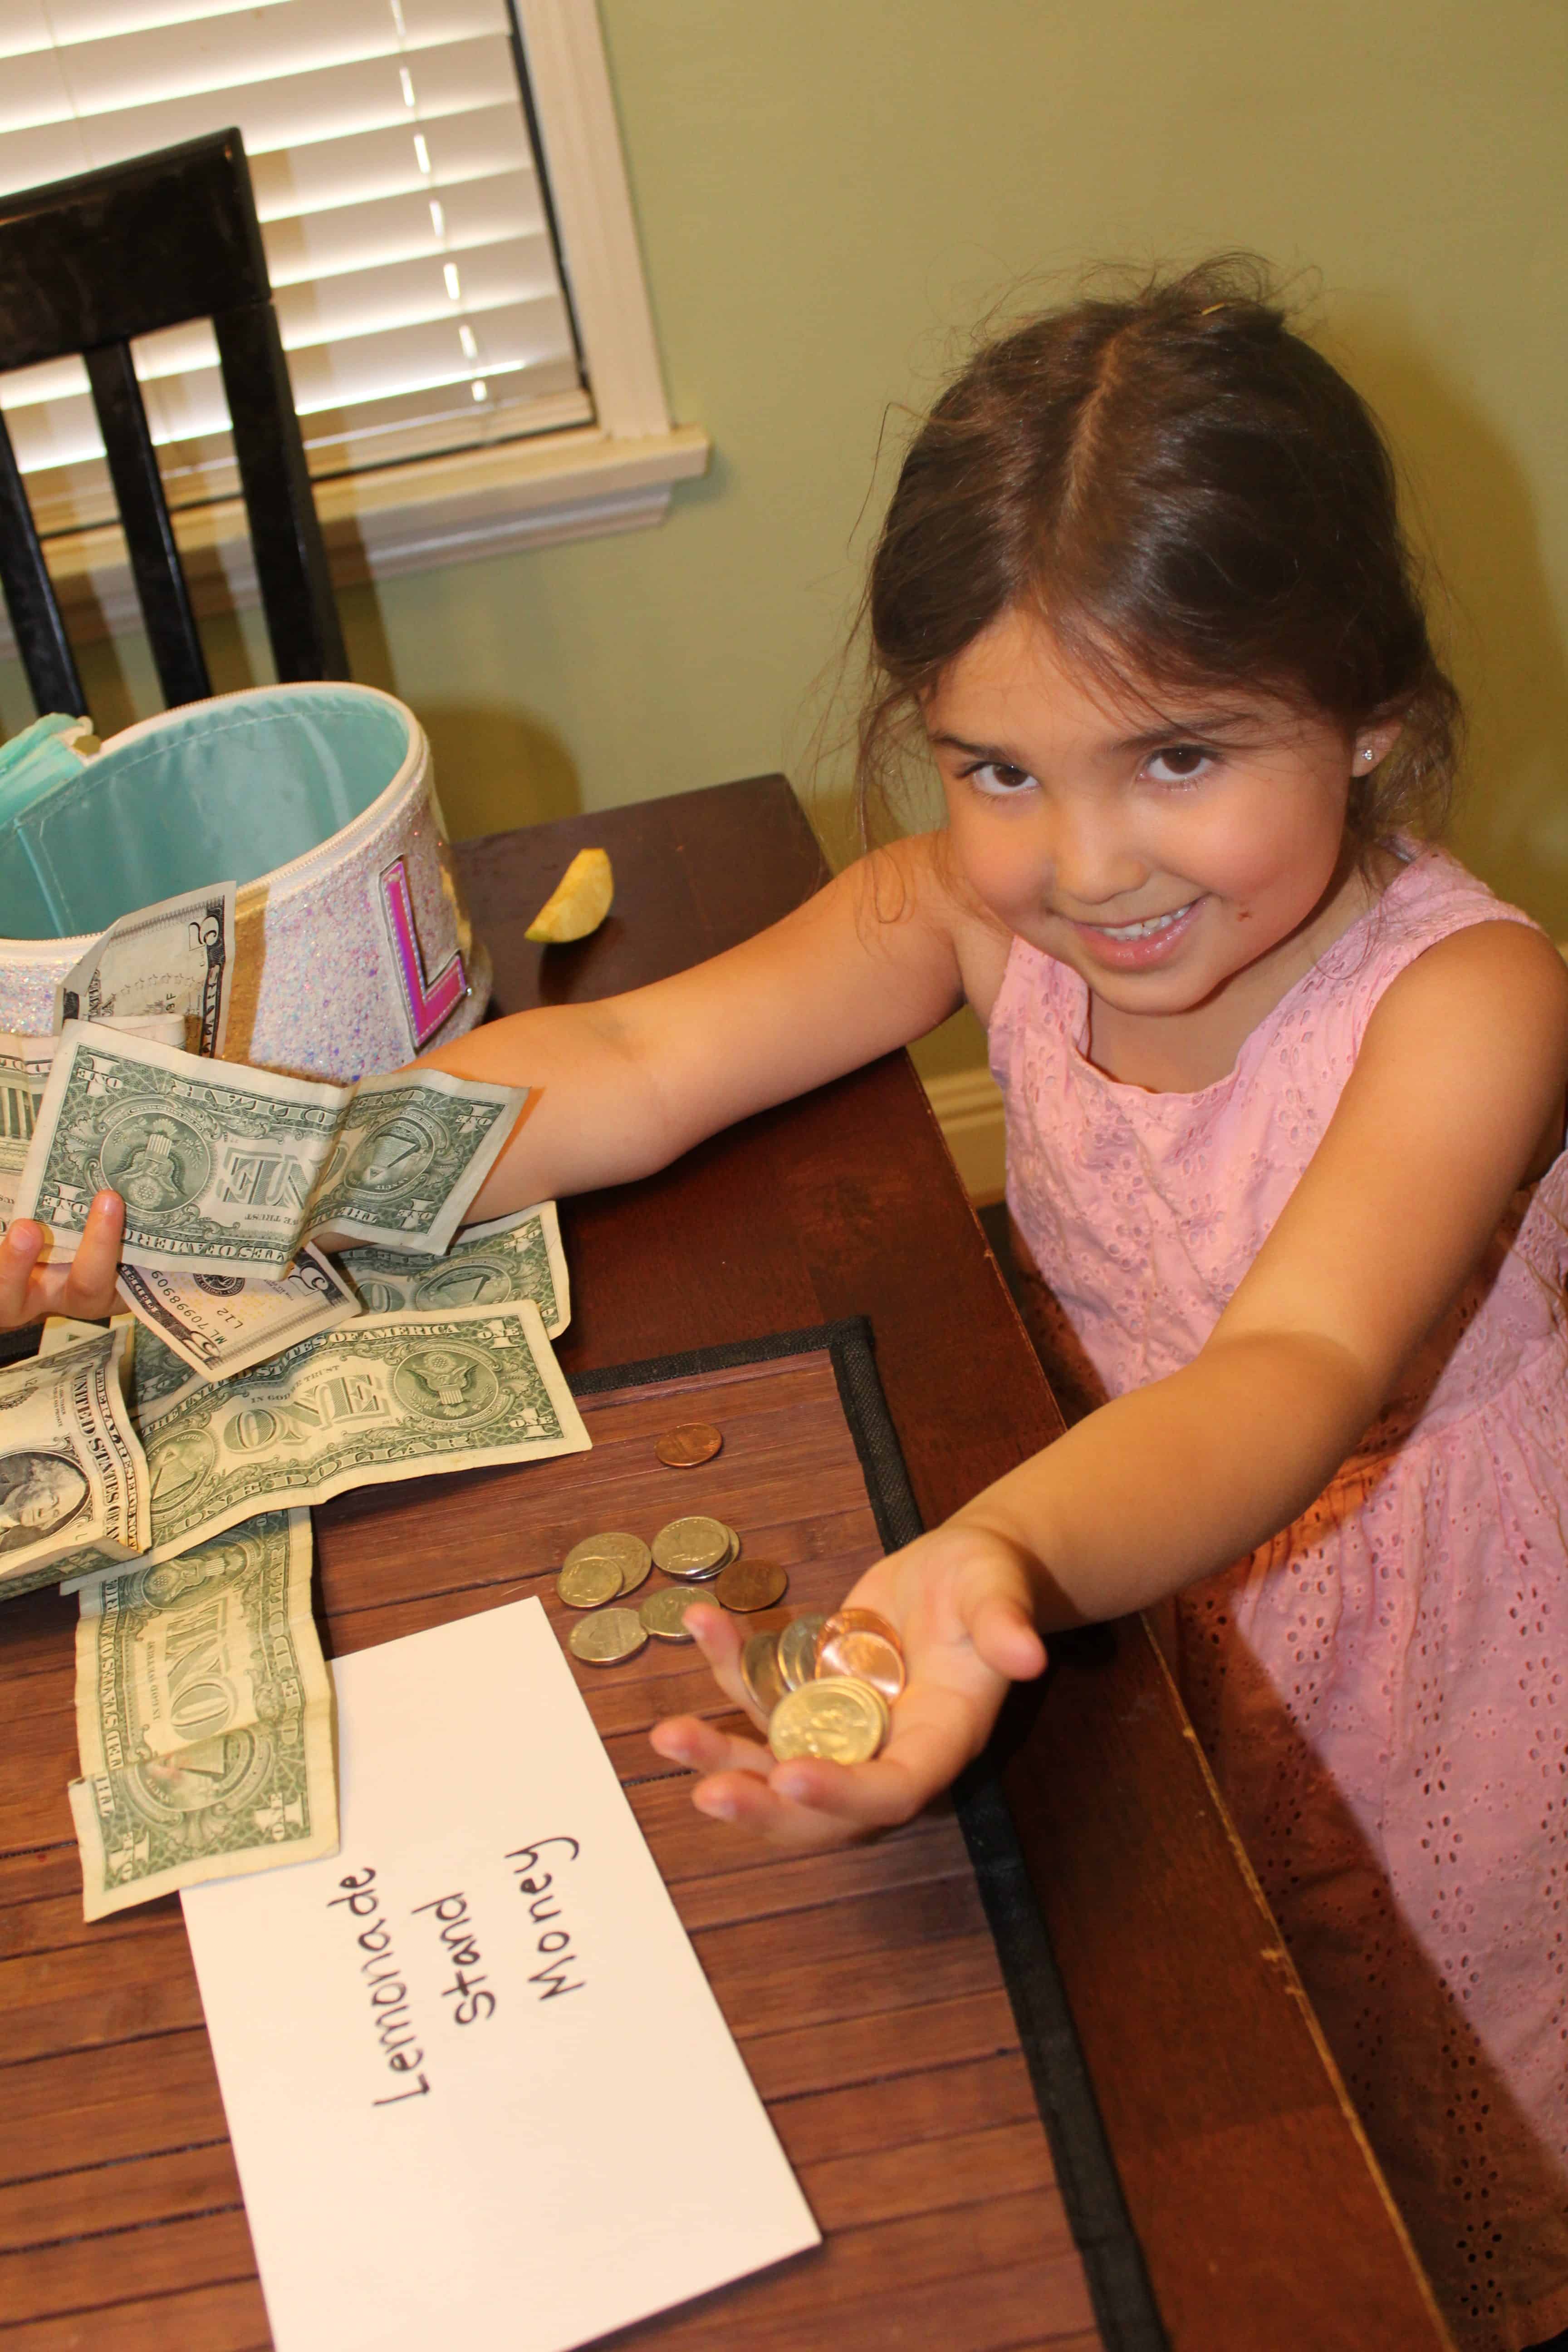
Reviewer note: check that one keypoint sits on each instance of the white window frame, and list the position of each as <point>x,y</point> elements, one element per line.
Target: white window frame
<point>616,474</point>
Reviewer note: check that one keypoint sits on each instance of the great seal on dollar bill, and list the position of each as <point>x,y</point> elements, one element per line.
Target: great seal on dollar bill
<point>452,1385</point>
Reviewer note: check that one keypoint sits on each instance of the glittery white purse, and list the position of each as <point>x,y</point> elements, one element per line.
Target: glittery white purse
<point>354,949</point>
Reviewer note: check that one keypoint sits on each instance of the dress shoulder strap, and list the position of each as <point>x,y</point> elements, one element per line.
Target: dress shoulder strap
<point>1431,899</point>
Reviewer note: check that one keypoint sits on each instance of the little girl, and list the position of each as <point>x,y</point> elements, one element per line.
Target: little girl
<point>1285,1097</point>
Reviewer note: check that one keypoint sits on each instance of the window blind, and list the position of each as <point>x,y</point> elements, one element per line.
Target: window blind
<point>401,208</point>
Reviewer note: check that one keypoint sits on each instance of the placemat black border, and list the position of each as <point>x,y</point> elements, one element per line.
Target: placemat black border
<point>1124,2305</point>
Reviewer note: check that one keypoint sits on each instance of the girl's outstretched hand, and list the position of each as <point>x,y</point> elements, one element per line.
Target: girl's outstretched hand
<point>959,1599</point>
<point>84,1287</point>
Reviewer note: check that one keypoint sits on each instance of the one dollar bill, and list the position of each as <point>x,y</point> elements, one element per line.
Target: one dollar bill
<point>72,1470</point>
<point>226,1169</point>
<point>203,1719</point>
<point>386,1398</point>
<point>25,1066</point>
<point>492,1264</point>
<point>149,1370</point>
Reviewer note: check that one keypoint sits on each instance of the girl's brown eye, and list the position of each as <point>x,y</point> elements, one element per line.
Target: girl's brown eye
<point>1180,759</point>
<point>995,778</point>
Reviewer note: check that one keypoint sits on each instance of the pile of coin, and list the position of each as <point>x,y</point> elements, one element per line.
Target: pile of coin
<point>695,1552</point>
<point>827,1684</point>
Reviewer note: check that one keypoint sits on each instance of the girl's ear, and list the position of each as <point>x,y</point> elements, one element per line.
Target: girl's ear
<point>1373,746</point>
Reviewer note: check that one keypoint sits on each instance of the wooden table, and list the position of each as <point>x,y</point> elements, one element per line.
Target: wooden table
<point>1238,2157</point>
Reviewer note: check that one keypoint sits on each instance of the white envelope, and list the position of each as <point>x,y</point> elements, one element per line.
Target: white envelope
<point>478,2090</point>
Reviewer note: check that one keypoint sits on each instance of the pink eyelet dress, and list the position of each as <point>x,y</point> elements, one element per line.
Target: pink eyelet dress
<point>1382,1689</point>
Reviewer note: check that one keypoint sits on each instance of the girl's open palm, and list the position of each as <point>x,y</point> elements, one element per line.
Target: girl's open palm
<point>960,1600</point>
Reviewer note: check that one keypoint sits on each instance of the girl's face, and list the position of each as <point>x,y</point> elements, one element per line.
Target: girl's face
<point>1160,851</point>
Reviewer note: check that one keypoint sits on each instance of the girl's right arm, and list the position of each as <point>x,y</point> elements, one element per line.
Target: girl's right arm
<point>622,1086</point>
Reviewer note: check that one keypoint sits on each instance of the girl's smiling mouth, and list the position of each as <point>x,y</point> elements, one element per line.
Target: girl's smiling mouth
<point>1131,947</point>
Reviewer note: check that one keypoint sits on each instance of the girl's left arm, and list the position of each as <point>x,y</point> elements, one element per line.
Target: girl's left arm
<point>1456,1098</point>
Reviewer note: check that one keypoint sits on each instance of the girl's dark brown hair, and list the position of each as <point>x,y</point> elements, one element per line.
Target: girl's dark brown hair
<point>1192,497</point>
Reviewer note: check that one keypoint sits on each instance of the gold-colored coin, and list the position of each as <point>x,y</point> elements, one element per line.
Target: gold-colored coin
<point>608,1637</point>
<point>630,1554</point>
<point>843,1720</point>
<point>749,1584</point>
<point>663,1611</point>
<point>688,1447</point>
<point>860,1642</point>
<point>734,1540</point>
<point>588,1583</point>
<point>760,1672</point>
<point>797,1650</point>
<point>696,1546</point>
<point>634,1566</point>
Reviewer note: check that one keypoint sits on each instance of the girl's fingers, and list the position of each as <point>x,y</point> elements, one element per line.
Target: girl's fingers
<point>18,1257</point>
<point>809,1803</point>
<point>751,1803</point>
<point>89,1288</point>
<point>850,1802</point>
<point>720,1641</point>
<point>932,1741</point>
<point>703,1748</point>
<point>876,1796</point>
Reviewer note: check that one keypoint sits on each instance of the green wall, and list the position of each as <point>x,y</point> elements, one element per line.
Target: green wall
<point>830,192</point>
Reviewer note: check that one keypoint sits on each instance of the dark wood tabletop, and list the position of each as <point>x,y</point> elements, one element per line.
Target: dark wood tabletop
<point>1238,2157</point>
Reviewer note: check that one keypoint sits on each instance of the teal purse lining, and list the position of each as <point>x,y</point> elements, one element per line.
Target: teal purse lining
<point>220,792</point>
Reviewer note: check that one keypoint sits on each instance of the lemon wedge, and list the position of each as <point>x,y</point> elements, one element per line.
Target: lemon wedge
<point>580,900</point>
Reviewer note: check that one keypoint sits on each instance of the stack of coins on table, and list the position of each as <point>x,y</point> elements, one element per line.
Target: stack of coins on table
<point>826,1685</point>
<point>700,1555</point>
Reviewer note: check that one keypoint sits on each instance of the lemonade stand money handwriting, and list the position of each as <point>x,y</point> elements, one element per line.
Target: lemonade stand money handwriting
<point>472,1991</point>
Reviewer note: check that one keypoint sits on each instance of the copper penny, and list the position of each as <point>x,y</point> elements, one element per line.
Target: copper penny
<point>748,1584</point>
<point>860,1644</point>
<point>688,1447</point>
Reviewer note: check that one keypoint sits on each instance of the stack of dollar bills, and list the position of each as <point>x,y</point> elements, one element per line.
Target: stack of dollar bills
<point>174,1505</point>
<point>305,1317</point>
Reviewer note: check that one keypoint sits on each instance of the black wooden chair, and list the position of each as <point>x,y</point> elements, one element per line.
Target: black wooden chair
<point>85,264</point>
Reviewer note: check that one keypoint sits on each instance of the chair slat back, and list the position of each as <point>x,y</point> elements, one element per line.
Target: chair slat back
<point>30,598</point>
<point>161,589</point>
<point>86,264</point>
<point>296,597</point>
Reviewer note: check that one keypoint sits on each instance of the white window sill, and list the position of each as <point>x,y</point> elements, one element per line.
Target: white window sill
<point>412,517</point>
